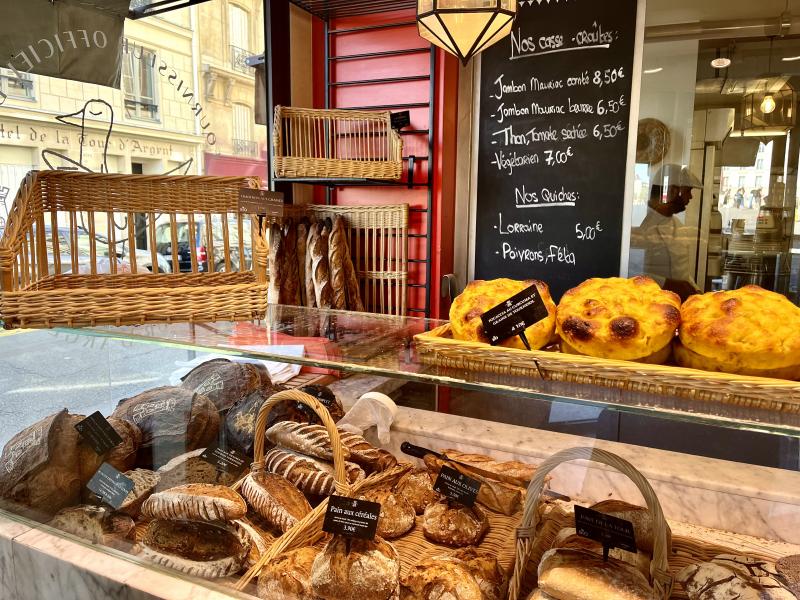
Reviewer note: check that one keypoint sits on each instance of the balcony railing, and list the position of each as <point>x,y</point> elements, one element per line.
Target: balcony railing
<point>245,147</point>
<point>239,58</point>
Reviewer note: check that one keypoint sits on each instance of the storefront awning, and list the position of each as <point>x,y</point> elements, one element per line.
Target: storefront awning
<point>71,39</point>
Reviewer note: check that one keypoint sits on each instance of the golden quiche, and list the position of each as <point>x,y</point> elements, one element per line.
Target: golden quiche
<point>481,296</point>
<point>750,331</point>
<point>623,319</point>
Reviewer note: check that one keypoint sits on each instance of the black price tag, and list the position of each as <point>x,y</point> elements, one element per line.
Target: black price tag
<point>98,433</point>
<point>227,460</point>
<point>610,531</point>
<point>351,518</point>
<point>457,486</point>
<point>111,485</point>
<point>401,119</point>
<point>514,316</point>
<point>261,202</point>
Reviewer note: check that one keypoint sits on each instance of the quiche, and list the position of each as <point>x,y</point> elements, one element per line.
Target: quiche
<point>749,331</point>
<point>622,319</point>
<point>481,296</point>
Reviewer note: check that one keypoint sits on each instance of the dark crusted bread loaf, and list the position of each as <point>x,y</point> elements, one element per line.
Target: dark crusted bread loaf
<point>302,250</point>
<point>96,524</point>
<point>311,294</point>
<point>288,576</point>
<point>275,499</point>
<point>121,457</point>
<point>312,476</point>
<point>225,382</point>
<point>321,268</point>
<point>454,524</point>
<point>353,569</point>
<point>417,488</point>
<point>484,567</point>
<point>337,257</point>
<point>290,285</point>
<point>275,264</point>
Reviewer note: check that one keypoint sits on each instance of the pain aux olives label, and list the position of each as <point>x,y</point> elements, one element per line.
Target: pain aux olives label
<point>98,433</point>
<point>457,486</point>
<point>111,485</point>
<point>610,531</point>
<point>226,460</point>
<point>352,518</point>
<point>514,316</point>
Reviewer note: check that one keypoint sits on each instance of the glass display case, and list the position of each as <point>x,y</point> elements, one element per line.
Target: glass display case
<point>183,400</point>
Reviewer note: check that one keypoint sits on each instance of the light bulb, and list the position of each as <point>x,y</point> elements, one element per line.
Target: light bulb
<point>768,104</point>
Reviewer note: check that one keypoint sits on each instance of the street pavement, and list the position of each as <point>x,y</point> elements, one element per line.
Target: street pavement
<point>42,372</point>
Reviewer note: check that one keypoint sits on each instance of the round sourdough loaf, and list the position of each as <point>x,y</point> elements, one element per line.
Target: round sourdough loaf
<point>481,296</point>
<point>623,319</point>
<point>417,488</point>
<point>354,569</point>
<point>173,420</point>
<point>434,579</point>
<point>484,567</point>
<point>397,515</point>
<point>288,576</point>
<point>741,331</point>
<point>453,524</point>
<point>225,382</point>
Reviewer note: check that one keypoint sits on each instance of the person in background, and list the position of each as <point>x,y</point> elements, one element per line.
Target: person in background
<point>668,244</point>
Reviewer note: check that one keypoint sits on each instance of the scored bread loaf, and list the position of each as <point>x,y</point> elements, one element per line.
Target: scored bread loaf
<point>569,574</point>
<point>144,484</point>
<point>351,281</point>
<point>311,476</point>
<point>196,502</point>
<point>321,268</point>
<point>96,524</point>
<point>417,488</point>
<point>434,579</point>
<point>397,515</point>
<point>290,284</point>
<point>311,294</point>
<point>275,499</point>
<point>302,244</point>
<point>225,382</point>
<point>337,251</point>
<point>288,576</point>
<point>454,524</point>
<point>354,569</point>
<point>260,535</point>
<point>484,567</point>
<point>275,263</point>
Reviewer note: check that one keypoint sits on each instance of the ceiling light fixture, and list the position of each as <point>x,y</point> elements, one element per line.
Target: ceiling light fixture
<point>465,27</point>
<point>790,58</point>
<point>652,71</point>
<point>721,63</point>
<point>768,104</point>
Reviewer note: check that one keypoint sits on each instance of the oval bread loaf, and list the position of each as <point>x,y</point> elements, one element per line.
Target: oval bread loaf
<point>453,524</point>
<point>196,502</point>
<point>276,499</point>
<point>311,476</point>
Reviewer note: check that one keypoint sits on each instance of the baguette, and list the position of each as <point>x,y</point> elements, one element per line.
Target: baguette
<point>311,476</point>
<point>276,258</point>
<point>290,286</point>
<point>302,243</point>
<point>320,269</point>
<point>352,289</point>
<point>519,471</point>
<point>311,294</point>
<point>337,251</point>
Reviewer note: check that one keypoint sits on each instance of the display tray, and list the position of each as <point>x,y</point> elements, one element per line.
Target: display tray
<point>437,347</point>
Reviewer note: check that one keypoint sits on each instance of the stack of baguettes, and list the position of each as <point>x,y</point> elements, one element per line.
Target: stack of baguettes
<point>310,265</point>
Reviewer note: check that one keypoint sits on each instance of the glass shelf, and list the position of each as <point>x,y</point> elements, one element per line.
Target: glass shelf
<point>384,346</point>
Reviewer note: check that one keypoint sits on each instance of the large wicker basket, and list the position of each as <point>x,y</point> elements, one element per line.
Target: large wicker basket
<point>65,257</point>
<point>346,144</point>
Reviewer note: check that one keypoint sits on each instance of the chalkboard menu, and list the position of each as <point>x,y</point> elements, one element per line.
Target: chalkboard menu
<point>552,154</point>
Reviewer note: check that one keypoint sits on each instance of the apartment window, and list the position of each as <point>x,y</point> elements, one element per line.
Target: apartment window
<point>239,32</point>
<point>243,143</point>
<point>139,83</point>
<point>16,87</point>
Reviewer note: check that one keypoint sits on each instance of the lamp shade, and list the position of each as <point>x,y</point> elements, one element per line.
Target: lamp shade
<point>465,27</point>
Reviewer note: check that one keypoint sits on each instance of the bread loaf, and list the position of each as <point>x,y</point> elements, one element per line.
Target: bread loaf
<point>351,282</point>
<point>417,488</point>
<point>727,576</point>
<point>196,548</point>
<point>191,468</point>
<point>302,245</point>
<point>788,569</point>
<point>311,476</point>
<point>397,515</point>
<point>327,398</point>
<point>641,519</point>
<point>260,539</point>
<point>39,467</point>
<point>484,567</point>
<point>196,502</point>
<point>240,422</point>
<point>353,569</point>
<point>582,575</point>
<point>275,499</point>
<point>513,469</point>
<point>144,484</point>
<point>434,579</point>
<point>290,287</point>
<point>311,440</point>
<point>288,576</point>
<point>275,263</point>
<point>311,294</point>
<point>121,457</point>
<point>225,382</point>
<point>96,524</point>
<point>337,252</point>
<point>320,268</point>
<point>173,420</point>
<point>454,524</point>
<point>569,538</point>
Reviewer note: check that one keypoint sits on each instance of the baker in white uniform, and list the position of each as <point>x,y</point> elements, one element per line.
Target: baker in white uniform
<point>669,245</point>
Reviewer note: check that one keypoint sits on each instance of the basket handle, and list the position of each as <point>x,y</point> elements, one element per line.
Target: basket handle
<point>343,487</point>
<point>659,566</point>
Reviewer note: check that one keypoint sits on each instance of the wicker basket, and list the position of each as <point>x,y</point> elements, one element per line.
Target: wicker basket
<point>347,144</point>
<point>740,393</point>
<point>53,272</point>
<point>661,579</point>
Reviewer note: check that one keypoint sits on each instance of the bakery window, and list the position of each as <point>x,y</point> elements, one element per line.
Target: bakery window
<point>139,83</point>
<point>16,85</point>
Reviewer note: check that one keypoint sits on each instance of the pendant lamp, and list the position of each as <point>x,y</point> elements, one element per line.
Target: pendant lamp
<point>465,27</point>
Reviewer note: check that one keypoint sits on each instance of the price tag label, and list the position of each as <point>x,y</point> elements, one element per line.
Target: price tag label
<point>401,119</point>
<point>514,316</point>
<point>261,202</point>
<point>352,518</point>
<point>457,486</point>
<point>111,485</point>
<point>226,460</point>
<point>98,433</point>
<point>610,531</point>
